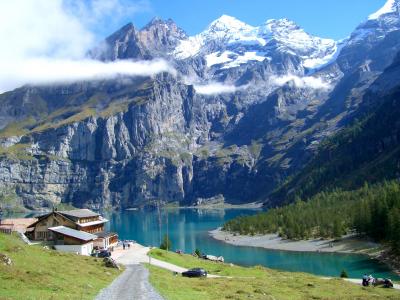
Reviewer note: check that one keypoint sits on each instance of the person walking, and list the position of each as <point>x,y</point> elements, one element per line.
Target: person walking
<point>365,280</point>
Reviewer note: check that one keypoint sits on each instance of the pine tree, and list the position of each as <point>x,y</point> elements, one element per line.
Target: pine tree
<point>394,229</point>
<point>337,228</point>
<point>166,243</point>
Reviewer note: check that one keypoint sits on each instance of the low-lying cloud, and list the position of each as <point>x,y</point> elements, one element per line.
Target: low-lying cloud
<point>43,71</point>
<point>215,89</point>
<point>301,82</point>
<point>45,41</point>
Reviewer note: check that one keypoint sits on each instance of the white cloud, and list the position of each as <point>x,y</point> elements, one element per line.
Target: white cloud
<point>45,41</point>
<point>41,28</point>
<point>47,71</point>
<point>215,89</point>
<point>301,82</point>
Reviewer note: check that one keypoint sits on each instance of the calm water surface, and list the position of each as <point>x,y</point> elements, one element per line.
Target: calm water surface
<point>188,230</point>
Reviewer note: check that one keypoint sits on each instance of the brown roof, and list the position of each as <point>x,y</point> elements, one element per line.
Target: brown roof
<point>40,218</point>
<point>79,213</point>
<point>4,226</point>
<point>71,215</point>
<point>19,222</point>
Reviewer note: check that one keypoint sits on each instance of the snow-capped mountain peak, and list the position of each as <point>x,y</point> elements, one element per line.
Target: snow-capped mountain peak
<point>287,31</point>
<point>378,24</point>
<point>230,42</point>
<point>391,6</point>
<point>228,23</point>
<point>226,30</point>
<point>315,51</point>
<point>277,25</point>
<point>231,30</point>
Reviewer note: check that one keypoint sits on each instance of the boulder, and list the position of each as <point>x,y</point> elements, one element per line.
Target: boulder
<point>5,260</point>
<point>110,263</point>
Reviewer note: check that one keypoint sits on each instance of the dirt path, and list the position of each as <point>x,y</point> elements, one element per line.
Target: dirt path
<point>138,254</point>
<point>132,284</point>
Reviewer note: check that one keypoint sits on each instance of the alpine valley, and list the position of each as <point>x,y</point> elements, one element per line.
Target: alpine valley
<point>245,114</point>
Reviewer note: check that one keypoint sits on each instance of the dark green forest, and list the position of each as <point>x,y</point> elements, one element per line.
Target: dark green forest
<point>371,210</point>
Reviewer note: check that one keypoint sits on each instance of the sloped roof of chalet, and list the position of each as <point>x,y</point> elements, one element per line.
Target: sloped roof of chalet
<point>40,218</point>
<point>80,235</point>
<point>79,213</point>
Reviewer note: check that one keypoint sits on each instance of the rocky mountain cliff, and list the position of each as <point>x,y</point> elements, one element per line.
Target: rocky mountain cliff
<point>366,152</point>
<point>247,108</point>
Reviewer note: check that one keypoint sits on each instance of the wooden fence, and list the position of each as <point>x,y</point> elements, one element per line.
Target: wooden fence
<point>6,230</point>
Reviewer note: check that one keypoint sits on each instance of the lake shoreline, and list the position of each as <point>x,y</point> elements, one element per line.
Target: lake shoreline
<point>347,245</point>
<point>224,206</point>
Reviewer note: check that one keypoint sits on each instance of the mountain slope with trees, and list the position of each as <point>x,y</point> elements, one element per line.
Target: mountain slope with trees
<point>371,210</point>
<point>351,184</point>
<point>366,151</point>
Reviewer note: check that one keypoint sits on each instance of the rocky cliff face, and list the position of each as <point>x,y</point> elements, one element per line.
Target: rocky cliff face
<point>115,160</point>
<point>134,141</point>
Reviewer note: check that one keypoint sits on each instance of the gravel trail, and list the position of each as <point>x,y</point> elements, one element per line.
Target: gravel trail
<point>132,284</point>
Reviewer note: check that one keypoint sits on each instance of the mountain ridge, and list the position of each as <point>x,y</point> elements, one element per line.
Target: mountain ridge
<point>134,141</point>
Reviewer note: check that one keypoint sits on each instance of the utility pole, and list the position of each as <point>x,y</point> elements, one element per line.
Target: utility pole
<point>159,220</point>
<point>166,210</point>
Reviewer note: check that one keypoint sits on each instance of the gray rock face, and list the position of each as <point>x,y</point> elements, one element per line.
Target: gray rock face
<point>136,141</point>
<point>113,160</point>
<point>155,40</point>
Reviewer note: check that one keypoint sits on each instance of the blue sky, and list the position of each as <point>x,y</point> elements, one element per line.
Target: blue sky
<point>326,18</point>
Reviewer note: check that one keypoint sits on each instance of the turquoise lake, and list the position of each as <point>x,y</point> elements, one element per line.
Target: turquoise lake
<point>188,229</point>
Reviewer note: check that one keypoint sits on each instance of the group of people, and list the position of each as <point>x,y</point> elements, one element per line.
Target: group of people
<point>126,245</point>
<point>369,280</point>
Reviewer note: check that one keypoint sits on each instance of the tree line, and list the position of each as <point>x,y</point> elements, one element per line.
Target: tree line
<point>373,210</point>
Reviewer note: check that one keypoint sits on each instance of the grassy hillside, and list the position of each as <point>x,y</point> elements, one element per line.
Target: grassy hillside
<point>37,273</point>
<point>252,283</point>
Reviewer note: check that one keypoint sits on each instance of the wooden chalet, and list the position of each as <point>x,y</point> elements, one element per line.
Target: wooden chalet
<point>83,220</point>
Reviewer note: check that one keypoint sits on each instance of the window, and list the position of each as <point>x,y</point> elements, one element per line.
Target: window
<point>42,235</point>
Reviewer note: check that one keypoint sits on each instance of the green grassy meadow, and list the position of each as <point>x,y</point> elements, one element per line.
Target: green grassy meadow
<point>252,283</point>
<point>37,273</point>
